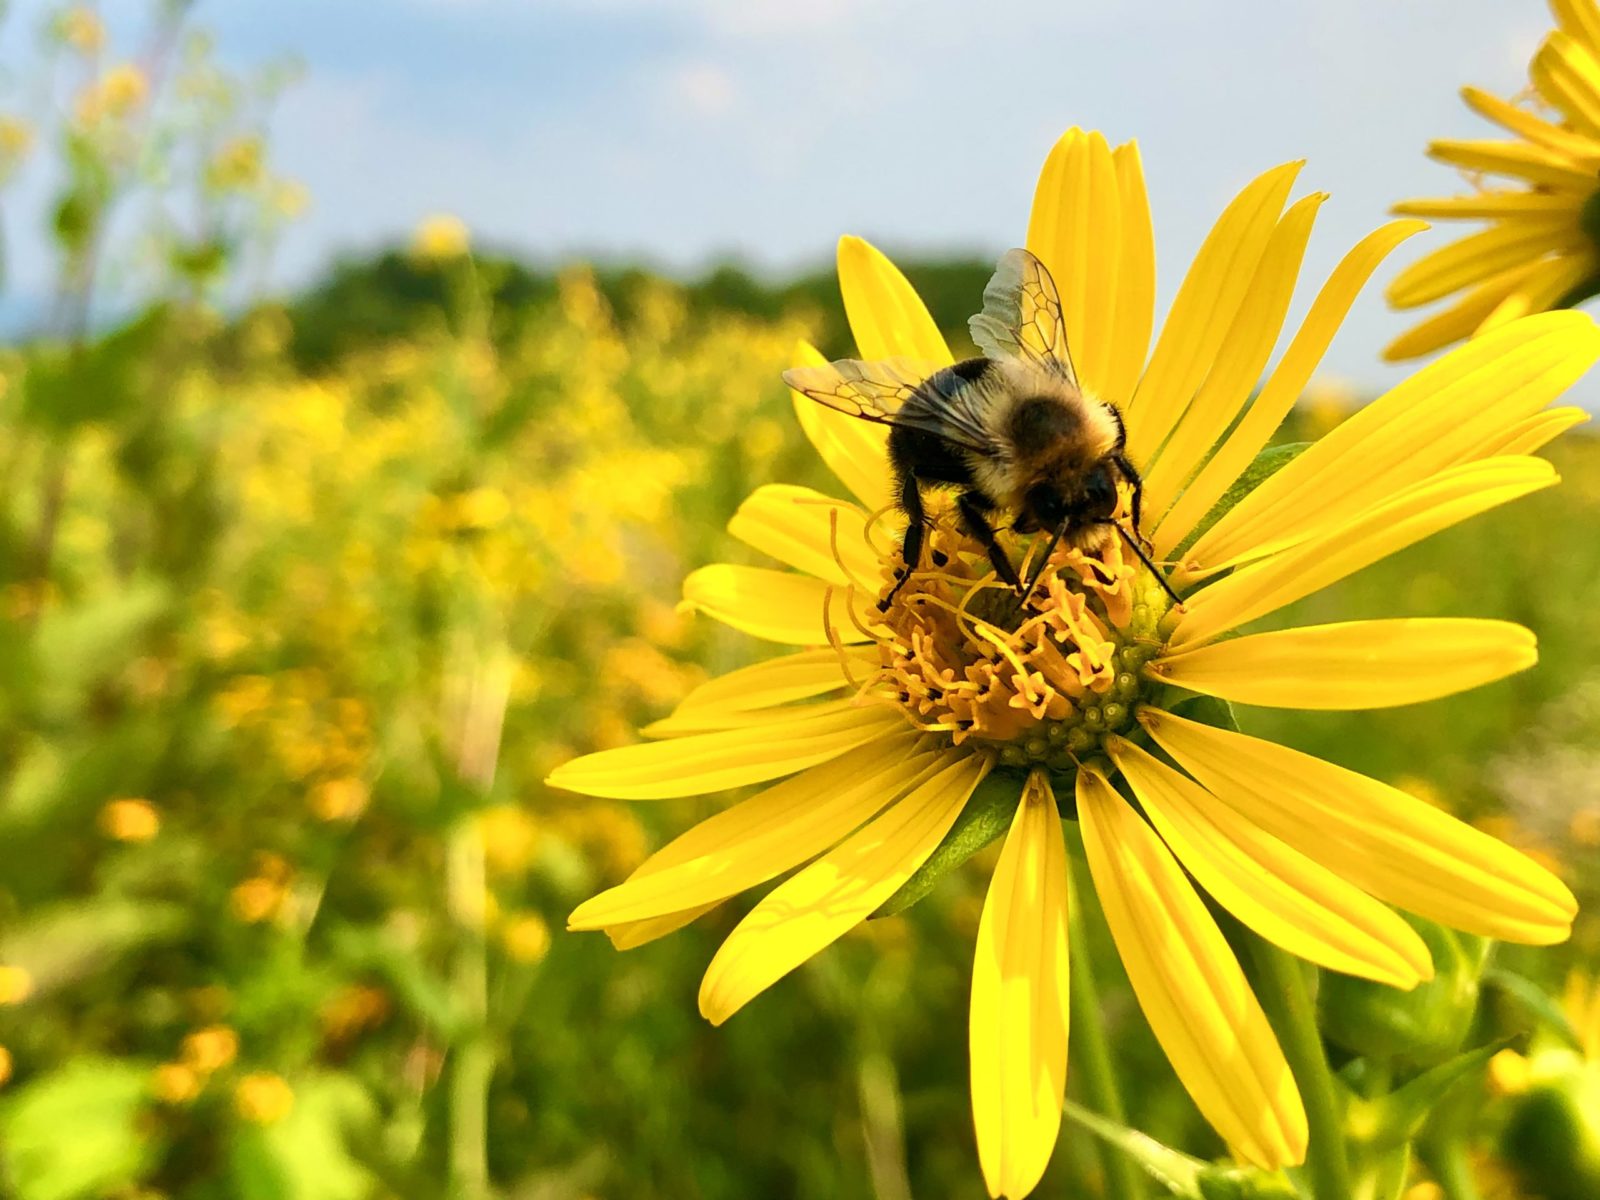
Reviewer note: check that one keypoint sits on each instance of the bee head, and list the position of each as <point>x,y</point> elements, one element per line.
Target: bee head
<point>1088,499</point>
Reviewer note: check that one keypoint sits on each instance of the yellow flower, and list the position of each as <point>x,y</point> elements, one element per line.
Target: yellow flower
<point>16,984</point>
<point>81,28</point>
<point>263,1097</point>
<point>115,94</point>
<point>211,1049</point>
<point>526,937</point>
<point>130,820</point>
<point>5,1066</point>
<point>1541,247</point>
<point>175,1083</point>
<point>889,720</point>
<point>440,238</point>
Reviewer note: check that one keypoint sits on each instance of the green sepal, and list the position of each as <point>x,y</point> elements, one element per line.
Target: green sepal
<point>1263,467</point>
<point>1207,710</point>
<point>1182,1175</point>
<point>1535,1002</point>
<point>987,815</point>
<point>1389,1122</point>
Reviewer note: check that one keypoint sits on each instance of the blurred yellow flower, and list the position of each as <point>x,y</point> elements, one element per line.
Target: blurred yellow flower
<point>440,238</point>
<point>130,820</point>
<point>114,95</point>
<point>209,1050</point>
<point>16,984</point>
<point>525,936</point>
<point>342,799</point>
<point>353,1009</point>
<point>237,165</point>
<point>1541,247</point>
<point>895,706</point>
<point>16,139</point>
<point>510,837</point>
<point>1509,1073</point>
<point>174,1083</point>
<point>5,1066</point>
<point>81,28</point>
<point>263,1097</point>
<point>290,199</point>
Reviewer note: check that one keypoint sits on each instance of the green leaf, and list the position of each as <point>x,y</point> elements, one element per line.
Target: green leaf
<point>986,816</point>
<point>75,940</point>
<point>1537,1003</point>
<point>77,1132</point>
<point>66,386</point>
<point>1396,1118</point>
<point>1262,468</point>
<point>1177,1172</point>
<point>305,1155</point>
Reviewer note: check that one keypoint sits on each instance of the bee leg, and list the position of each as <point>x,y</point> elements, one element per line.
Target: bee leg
<point>1131,474</point>
<point>974,512</point>
<point>916,529</point>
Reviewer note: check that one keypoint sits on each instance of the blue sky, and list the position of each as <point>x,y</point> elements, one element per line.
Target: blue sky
<point>681,131</point>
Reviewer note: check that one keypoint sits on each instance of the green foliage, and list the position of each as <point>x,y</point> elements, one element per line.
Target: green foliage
<point>75,1133</point>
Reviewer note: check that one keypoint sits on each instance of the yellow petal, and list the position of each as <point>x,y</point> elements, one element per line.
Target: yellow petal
<point>1018,1027</point>
<point>856,451</point>
<point>1239,360</point>
<point>763,836</point>
<point>1462,318</point>
<point>1566,75</point>
<point>1432,421</point>
<point>1580,20</point>
<point>713,762</point>
<point>775,682</point>
<point>816,907</point>
<point>887,317</point>
<point>1135,305</point>
<point>1489,205</point>
<point>796,610</point>
<point>810,532</point>
<point>1411,515</point>
<point>1189,984</point>
<point>1284,385</point>
<point>1537,431</point>
<point>630,935</point>
<point>713,720</point>
<point>1481,256</point>
<point>1575,146</point>
<point>1075,229</point>
<point>1204,309</point>
<point>1382,840</point>
<point>1284,896</point>
<point>1356,664</point>
<point>1516,159</point>
<point>1545,287</point>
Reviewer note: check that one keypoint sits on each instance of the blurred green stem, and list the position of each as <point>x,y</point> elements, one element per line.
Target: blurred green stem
<point>1293,1014</point>
<point>475,714</point>
<point>1091,1057</point>
<point>474,1065</point>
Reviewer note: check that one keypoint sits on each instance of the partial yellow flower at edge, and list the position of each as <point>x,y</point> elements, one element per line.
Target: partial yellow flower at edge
<point>1540,200</point>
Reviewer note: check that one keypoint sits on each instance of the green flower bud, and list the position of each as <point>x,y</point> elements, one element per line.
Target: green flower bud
<point>1419,1028</point>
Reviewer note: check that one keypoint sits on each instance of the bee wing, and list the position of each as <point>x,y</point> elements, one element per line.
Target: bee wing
<point>878,391</point>
<point>1021,316</point>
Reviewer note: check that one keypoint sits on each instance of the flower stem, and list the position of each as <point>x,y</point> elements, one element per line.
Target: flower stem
<point>1289,1006</point>
<point>474,1057</point>
<point>1091,1057</point>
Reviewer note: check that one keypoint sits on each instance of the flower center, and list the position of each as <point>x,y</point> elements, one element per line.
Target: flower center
<point>1042,681</point>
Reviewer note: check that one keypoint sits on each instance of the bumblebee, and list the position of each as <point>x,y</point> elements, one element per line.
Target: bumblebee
<point>1011,431</point>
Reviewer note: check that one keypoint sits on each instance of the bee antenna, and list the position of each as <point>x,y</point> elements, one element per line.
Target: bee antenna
<point>1145,559</point>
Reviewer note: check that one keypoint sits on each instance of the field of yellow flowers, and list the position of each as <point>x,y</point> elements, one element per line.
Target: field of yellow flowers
<point>286,657</point>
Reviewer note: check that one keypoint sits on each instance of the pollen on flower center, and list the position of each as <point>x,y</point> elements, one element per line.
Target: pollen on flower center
<point>1041,682</point>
